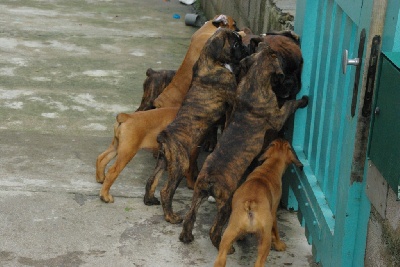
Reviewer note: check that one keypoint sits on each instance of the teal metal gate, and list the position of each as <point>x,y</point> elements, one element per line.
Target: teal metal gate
<point>332,204</point>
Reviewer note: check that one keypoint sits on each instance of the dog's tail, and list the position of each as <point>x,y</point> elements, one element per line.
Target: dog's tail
<point>122,117</point>
<point>249,207</point>
<point>175,153</point>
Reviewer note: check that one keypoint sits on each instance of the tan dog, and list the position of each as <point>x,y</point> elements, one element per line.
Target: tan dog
<point>256,201</point>
<point>173,94</point>
<point>132,132</point>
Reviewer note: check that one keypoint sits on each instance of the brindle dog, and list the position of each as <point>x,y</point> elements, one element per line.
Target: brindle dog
<point>175,92</point>
<point>213,88</point>
<point>256,110</point>
<point>153,86</point>
<point>287,44</point>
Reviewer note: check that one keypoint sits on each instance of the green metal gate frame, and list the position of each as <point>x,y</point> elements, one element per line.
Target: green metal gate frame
<point>331,201</point>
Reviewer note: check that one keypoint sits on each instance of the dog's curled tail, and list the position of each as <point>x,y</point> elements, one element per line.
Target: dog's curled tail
<point>122,117</point>
<point>249,207</point>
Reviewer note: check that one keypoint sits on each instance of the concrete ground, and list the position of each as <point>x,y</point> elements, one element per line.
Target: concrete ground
<point>66,69</point>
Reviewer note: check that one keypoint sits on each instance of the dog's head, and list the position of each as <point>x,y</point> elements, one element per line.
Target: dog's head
<point>286,45</point>
<point>281,148</point>
<point>153,86</point>
<point>225,46</point>
<point>224,21</point>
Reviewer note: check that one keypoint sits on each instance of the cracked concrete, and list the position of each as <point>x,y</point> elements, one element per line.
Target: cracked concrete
<point>66,69</point>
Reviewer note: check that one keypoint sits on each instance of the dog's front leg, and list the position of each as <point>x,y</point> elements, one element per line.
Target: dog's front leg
<point>152,182</point>
<point>277,120</point>
<point>277,243</point>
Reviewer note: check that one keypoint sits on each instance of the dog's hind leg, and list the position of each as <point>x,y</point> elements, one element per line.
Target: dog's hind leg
<point>264,244</point>
<point>223,212</point>
<point>193,170</point>
<point>186,235</point>
<point>230,235</point>
<point>167,194</point>
<point>125,154</point>
<point>152,182</point>
<point>104,158</point>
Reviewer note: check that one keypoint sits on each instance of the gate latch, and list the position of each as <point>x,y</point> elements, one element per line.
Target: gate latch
<point>346,61</point>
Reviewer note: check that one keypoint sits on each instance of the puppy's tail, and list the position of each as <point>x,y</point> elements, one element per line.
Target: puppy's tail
<point>122,117</point>
<point>249,207</point>
<point>175,153</point>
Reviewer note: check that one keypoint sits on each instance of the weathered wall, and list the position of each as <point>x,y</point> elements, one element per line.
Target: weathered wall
<point>259,15</point>
<point>383,241</point>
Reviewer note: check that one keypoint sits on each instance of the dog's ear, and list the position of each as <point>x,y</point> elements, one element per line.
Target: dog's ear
<point>278,68</point>
<point>263,45</point>
<point>216,46</point>
<point>264,155</point>
<point>149,72</point>
<point>254,42</point>
<point>245,65</point>
<point>246,30</point>
<point>122,117</point>
<point>220,20</point>
<point>290,34</point>
<point>293,157</point>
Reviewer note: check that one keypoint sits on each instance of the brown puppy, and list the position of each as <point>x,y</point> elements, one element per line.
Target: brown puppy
<point>212,91</point>
<point>132,132</point>
<point>255,203</point>
<point>153,85</point>
<point>256,111</point>
<point>174,93</point>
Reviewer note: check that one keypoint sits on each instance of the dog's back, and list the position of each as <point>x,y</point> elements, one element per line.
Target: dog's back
<point>145,125</point>
<point>254,201</point>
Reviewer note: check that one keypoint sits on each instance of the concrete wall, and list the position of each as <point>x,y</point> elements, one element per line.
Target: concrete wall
<point>259,15</point>
<point>383,240</point>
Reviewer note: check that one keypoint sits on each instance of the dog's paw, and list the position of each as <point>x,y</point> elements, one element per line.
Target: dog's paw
<point>173,218</point>
<point>209,145</point>
<point>107,198</point>
<point>186,237</point>
<point>231,250</point>
<point>304,101</point>
<point>100,179</point>
<point>301,167</point>
<point>151,201</point>
<point>279,246</point>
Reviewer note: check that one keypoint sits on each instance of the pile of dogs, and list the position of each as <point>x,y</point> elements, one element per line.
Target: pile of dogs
<point>243,83</point>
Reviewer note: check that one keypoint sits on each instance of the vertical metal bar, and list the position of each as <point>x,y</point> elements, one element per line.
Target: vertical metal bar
<point>333,131</point>
<point>322,157</point>
<point>316,106</point>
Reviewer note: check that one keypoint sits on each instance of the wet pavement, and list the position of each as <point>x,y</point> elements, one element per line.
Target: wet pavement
<point>66,69</point>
